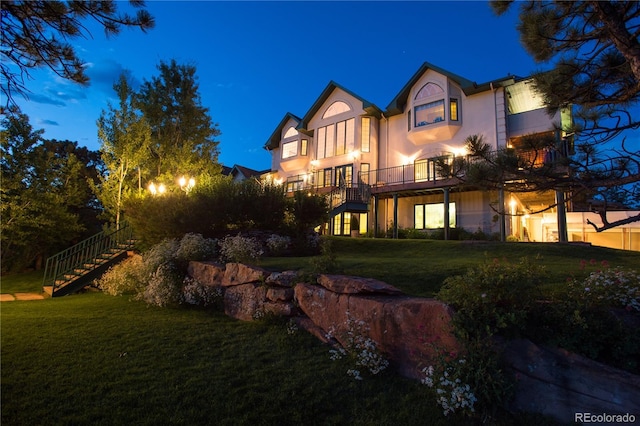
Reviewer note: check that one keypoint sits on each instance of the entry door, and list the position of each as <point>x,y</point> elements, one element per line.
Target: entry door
<point>344,175</point>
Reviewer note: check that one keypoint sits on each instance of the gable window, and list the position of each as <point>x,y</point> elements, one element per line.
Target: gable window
<point>338,107</point>
<point>431,216</point>
<point>291,132</point>
<point>365,135</point>
<point>289,149</point>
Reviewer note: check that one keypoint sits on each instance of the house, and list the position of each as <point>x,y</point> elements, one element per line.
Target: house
<point>379,166</point>
<point>239,173</point>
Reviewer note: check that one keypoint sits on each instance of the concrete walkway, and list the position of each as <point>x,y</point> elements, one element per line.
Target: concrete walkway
<point>20,296</point>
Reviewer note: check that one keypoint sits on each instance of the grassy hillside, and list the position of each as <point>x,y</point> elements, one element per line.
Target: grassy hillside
<point>419,267</point>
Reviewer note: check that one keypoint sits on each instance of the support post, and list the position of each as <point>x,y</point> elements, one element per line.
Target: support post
<point>446,214</point>
<point>375,216</point>
<point>563,236</point>
<point>395,216</point>
<point>502,215</point>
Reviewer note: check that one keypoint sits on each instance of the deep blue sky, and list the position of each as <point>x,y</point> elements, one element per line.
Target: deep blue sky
<point>256,61</point>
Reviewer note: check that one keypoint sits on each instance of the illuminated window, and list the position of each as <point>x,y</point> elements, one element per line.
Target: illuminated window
<point>421,170</point>
<point>432,112</point>
<point>453,109</point>
<point>304,146</point>
<point>364,172</point>
<point>295,185</point>
<point>328,181</point>
<point>365,135</point>
<point>335,139</point>
<point>291,132</point>
<point>336,108</point>
<point>363,222</point>
<point>341,138</point>
<point>290,149</point>
<point>431,216</point>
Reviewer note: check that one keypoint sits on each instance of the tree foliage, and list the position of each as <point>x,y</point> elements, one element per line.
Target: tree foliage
<point>46,202</point>
<point>593,48</point>
<point>182,132</point>
<point>36,34</point>
<point>218,206</point>
<point>125,138</point>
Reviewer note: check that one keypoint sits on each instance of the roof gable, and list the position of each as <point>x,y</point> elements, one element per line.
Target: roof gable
<point>396,106</point>
<point>369,107</point>
<point>274,140</point>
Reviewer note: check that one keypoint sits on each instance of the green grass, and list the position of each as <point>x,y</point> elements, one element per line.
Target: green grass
<point>29,282</point>
<point>419,267</point>
<point>102,360</point>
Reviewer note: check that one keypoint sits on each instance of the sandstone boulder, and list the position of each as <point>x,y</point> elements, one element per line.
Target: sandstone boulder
<point>206,273</point>
<point>244,301</point>
<point>278,294</point>
<point>406,330</point>
<point>238,273</point>
<point>282,279</point>
<point>345,284</point>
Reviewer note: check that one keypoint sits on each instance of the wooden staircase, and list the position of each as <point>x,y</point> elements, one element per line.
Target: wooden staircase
<point>76,267</point>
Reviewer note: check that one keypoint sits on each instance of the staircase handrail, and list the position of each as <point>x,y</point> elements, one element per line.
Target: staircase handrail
<point>86,252</point>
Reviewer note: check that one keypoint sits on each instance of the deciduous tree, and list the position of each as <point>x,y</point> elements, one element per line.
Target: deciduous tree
<point>125,138</point>
<point>182,132</point>
<point>45,199</point>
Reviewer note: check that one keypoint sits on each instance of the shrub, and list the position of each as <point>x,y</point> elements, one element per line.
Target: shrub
<point>240,249</point>
<point>616,287</point>
<point>196,247</point>
<point>277,244</point>
<point>327,262</point>
<point>596,316</point>
<point>164,287</point>
<point>473,384</point>
<point>496,296</point>
<point>122,278</point>
<point>196,293</point>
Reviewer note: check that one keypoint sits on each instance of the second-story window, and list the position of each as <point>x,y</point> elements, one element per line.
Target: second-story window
<point>365,135</point>
<point>289,149</point>
<point>428,105</point>
<point>335,139</point>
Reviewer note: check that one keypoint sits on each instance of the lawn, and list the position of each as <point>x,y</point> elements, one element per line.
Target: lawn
<point>102,360</point>
<point>96,359</point>
<point>418,267</point>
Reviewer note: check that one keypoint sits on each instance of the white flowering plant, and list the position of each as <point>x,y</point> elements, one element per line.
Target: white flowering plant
<point>122,278</point>
<point>164,287</point>
<point>278,244</point>
<point>616,287</point>
<point>360,348</point>
<point>198,294</point>
<point>240,249</point>
<point>453,395</point>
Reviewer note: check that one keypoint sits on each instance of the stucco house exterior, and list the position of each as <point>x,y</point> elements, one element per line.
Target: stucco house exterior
<point>378,165</point>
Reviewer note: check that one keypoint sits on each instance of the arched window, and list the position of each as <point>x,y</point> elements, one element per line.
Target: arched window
<point>428,90</point>
<point>291,131</point>
<point>338,107</point>
<point>428,105</point>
